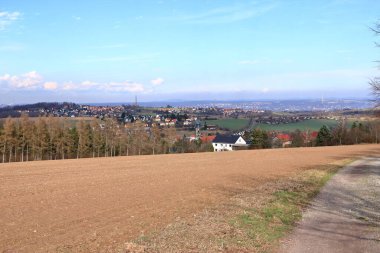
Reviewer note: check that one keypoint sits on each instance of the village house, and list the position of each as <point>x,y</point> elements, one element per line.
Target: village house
<point>229,143</point>
<point>285,139</point>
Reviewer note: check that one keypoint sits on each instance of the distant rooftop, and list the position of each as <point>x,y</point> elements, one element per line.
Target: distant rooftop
<point>230,139</point>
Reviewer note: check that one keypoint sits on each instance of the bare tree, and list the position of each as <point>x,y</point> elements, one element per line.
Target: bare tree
<point>25,135</point>
<point>375,85</point>
<point>375,82</point>
<point>9,138</point>
<point>155,138</point>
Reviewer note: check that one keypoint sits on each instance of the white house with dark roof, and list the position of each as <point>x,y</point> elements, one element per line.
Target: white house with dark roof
<point>229,143</point>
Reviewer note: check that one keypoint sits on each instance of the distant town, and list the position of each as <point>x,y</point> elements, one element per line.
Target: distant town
<point>69,130</point>
<point>185,115</point>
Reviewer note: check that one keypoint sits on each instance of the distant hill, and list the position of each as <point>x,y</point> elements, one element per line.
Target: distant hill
<point>34,109</point>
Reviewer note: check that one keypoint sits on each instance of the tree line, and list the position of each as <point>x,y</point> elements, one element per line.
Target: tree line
<point>341,134</point>
<point>51,138</point>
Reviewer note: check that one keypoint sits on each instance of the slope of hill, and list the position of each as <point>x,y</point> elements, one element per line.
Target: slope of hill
<point>93,205</point>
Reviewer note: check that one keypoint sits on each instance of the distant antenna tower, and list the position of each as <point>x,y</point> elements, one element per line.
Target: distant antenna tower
<point>322,100</point>
<point>197,129</point>
<point>135,100</point>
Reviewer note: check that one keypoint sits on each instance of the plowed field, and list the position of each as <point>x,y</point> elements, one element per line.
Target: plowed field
<point>97,205</point>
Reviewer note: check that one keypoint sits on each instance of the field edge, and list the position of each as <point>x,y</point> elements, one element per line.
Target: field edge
<point>251,221</point>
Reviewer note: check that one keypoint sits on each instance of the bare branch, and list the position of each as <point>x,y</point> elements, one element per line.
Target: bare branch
<point>376,28</point>
<point>375,82</point>
<point>375,85</point>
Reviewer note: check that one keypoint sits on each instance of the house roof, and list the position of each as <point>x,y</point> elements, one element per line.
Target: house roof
<point>208,138</point>
<point>284,137</point>
<point>230,139</point>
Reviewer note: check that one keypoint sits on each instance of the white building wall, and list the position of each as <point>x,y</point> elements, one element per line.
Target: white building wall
<point>240,141</point>
<point>222,147</point>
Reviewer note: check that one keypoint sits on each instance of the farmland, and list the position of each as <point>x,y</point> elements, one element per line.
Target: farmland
<point>231,124</point>
<point>98,205</point>
<point>312,124</point>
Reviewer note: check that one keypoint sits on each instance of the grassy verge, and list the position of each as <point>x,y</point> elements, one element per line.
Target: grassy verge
<point>262,227</point>
<point>252,221</point>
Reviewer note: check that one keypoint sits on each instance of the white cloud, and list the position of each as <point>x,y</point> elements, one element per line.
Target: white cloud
<point>228,14</point>
<point>28,80</point>
<point>158,81</point>
<point>33,80</point>
<point>50,86</point>
<point>110,46</point>
<point>7,18</point>
<point>265,61</point>
<point>249,62</point>
<point>88,84</point>
<point>124,86</point>
<point>70,86</point>
<point>132,58</point>
<point>12,48</point>
<point>127,86</point>
<point>85,85</point>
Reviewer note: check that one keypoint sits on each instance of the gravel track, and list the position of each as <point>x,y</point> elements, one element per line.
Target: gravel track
<point>345,216</point>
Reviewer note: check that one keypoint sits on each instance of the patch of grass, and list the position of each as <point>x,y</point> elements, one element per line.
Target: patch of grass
<point>313,124</point>
<point>262,228</point>
<point>269,223</point>
<point>232,124</point>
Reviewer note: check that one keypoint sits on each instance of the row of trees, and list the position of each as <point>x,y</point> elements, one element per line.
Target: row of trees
<point>50,138</point>
<point>342,134</point>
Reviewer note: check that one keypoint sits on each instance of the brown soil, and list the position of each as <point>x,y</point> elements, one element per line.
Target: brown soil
<point>99,205</point>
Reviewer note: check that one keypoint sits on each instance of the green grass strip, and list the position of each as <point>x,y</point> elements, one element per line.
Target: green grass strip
<point>262,228</point>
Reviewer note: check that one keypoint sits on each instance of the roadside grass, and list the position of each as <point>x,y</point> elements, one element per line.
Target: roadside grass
<point>266,225</point>
<point>254,220</point>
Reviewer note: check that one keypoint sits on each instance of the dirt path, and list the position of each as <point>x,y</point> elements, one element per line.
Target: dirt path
<point>97,205</point>
<point>345,216</point>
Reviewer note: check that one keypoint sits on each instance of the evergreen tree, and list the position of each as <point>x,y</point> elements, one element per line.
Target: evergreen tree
<point>259,139</point>
<point>324,137</point>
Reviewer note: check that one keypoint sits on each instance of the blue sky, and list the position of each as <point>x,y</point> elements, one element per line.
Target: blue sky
<point>112,51</point>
